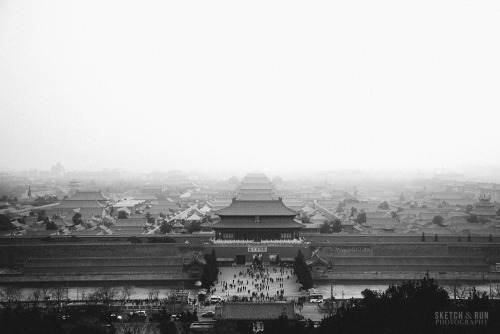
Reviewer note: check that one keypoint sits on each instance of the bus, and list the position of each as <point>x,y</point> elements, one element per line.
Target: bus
<point>315,296</point>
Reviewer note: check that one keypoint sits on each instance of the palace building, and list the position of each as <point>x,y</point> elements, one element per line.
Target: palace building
<point>257,220</point>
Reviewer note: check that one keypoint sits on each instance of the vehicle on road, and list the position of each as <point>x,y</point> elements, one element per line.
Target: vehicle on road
<point>215,299</point>
<point>208,314</point>
<point>315,296</point>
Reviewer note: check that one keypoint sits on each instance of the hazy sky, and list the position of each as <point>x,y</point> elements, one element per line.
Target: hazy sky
<point>268,85</point>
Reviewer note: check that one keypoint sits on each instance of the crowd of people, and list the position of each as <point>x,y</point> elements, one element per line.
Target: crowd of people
<point>256,283</point>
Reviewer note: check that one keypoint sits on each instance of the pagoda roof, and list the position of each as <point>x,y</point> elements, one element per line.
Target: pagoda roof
<point>251,224</point>
<point>256,208</point>
<point>194,217</point>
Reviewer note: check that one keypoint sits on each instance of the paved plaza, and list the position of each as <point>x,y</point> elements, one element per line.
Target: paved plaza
<point>266,285</point>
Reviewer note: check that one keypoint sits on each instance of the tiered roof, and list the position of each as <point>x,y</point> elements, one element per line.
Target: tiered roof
<point>262,225</point>
<point>256,208</point>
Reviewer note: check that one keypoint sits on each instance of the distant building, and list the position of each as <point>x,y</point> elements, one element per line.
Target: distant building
<point>57,170</point>
<point>484,207</point>
<point>256,186</point>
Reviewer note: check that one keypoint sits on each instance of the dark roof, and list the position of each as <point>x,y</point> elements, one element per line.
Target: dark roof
<point>197,259</point>
<point>250,223</point>
<point>130,222</point>
<point>256,208</point>
<point>260,311</point>
<point>91,211</point>
<point>88,196</point>
<point>257,197</point>
<point>68,204</point>
<point>316,259</point>
<point>263,186</point>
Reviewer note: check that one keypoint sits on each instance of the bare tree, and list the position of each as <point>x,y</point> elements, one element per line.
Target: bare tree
<point>125,293</point>
<point>83,294</point>
<point>59,293</point>
<point>106,294</point>
<point>37,295</point>
<point>46,292</point>
<point>10,294</point>
<point>496,292</point>
<point>153,294</point>
<point>459,291</point>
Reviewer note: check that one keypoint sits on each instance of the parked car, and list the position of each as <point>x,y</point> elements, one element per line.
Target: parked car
<point>208,314</point>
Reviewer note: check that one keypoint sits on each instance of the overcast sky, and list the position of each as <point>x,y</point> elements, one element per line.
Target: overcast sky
<point>245,85</point>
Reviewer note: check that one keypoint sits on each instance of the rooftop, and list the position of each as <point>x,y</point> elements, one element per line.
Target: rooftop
<point>256,208</point>
<point>251,224</point>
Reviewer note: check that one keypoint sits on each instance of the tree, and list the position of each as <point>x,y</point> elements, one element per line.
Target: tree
<point>459,239</point>
<point>194,227</point>
<point>10,294</point>
<point>58,293</point>
<point>423,237</point>
<point>210,270</point>
<point>305,219</point>
<point>490,239</point>
<point>436,237</point>
<point>165,228</point>
<point>469,208</point>
<point>37,295</point>
<point>106,293</point>
<point>361,219</point>
<point>438,220</point>
<point>384,206</point>
<point>302,271</point>
<point>122,215</point>
<point>77,218</point>
<point>498,212</point>
<point>5,224</point>
<point>50,225</point>
<point>468,238</point>
<point>340,207</point>
<point>354,211</point>
<point>404,308</point>
<point>337,226</point>
<point>41,216</point>
<point>325,228</point>
<point>153,294</point>
<point>125,293</point>
<point>150,219</point>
